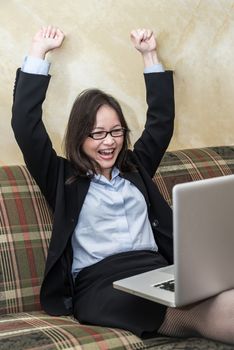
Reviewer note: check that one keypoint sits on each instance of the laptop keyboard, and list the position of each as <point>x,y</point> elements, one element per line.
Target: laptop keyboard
<point>168,285</point>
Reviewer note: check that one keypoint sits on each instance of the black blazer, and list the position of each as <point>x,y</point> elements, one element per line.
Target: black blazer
<point>51,172</point>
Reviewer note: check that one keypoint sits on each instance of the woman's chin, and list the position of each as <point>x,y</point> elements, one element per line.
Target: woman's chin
<point>106,163</point>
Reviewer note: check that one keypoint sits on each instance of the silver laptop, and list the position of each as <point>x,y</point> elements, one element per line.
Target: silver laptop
<point>203,221</point>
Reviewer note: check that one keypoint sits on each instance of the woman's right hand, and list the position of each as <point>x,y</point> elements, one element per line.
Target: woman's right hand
<point>46,39</point>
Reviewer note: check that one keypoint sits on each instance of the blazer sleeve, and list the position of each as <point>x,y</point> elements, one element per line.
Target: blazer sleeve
<point>30,133</point>
<point>152,144</point>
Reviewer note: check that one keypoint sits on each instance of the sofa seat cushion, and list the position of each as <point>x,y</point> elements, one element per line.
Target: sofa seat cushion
<point>37,330</point>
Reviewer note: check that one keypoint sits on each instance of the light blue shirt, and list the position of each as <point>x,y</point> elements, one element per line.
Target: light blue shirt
<point>114,216</point>
<point>113,219</point>
<point>35,65</point>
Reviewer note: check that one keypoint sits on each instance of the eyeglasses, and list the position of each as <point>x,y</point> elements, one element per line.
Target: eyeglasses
<point>100,135</point>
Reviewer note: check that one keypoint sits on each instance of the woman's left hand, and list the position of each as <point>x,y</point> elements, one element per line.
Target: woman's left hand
<point>143,40</point>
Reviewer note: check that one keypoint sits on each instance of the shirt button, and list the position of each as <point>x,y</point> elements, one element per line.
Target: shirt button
<point>155,223</point>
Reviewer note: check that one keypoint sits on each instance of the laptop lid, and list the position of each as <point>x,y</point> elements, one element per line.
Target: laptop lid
<point>203,220</point>
<point>203,223</point>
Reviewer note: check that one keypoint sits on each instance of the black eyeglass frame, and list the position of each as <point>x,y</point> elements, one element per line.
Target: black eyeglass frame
<point>111,132</point>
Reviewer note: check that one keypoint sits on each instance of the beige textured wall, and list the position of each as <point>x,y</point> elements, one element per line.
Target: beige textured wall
<point>195,39</point>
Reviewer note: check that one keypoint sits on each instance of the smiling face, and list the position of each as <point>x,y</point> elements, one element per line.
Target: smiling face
<point>105,151</point>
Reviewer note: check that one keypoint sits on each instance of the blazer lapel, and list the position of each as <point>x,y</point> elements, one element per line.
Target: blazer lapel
<point>74,198</point>
<point>76,193</point>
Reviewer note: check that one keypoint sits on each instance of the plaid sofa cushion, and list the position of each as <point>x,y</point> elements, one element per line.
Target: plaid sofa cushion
<point>36,330</point>
<point>25,228</point>
<point>193,164</point>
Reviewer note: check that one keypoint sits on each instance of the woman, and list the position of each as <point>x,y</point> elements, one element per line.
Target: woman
<point>110,221</point>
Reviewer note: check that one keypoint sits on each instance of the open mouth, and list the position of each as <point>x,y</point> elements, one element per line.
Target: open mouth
<point>106,153</point>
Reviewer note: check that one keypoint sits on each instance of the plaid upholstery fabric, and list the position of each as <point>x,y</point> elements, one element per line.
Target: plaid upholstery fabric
<point>25,228</point>
<point>36,330</point>
<point>193,164</point>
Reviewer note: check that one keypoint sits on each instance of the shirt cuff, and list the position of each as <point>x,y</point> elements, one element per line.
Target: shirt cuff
<point>155,68</point>
<point>35,65</point>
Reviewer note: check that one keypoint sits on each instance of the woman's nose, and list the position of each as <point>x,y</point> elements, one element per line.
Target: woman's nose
<point>109,139</point>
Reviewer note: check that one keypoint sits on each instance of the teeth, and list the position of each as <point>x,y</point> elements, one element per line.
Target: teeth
<point>107,152</point>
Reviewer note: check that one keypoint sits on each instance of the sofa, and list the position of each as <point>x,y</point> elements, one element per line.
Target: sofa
<point>25,228</point>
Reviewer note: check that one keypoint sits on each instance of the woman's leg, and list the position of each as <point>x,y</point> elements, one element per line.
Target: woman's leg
<point>212,318</point>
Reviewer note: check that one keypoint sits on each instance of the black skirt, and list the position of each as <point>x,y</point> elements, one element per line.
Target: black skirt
<point>96,302</point>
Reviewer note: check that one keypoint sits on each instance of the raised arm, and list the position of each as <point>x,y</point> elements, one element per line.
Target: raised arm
<point>158,130</point>
<point>30,133</point>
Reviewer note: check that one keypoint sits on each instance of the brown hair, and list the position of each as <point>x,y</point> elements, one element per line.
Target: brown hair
<point>81,122</point>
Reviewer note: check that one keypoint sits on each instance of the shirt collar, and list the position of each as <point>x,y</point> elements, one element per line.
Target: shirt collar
<point>99,178</point>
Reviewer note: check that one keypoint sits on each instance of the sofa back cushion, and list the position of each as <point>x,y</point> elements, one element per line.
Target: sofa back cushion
<point>25,230</point>
<point>193,164</point>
